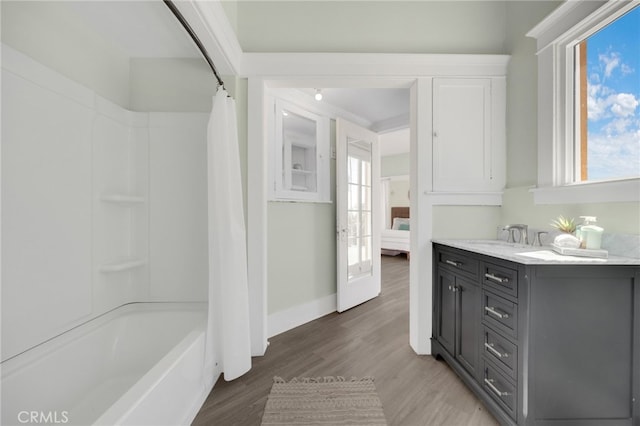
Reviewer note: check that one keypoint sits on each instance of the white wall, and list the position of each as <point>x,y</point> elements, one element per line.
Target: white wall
<point>178,206</point>
<point>46,210</point>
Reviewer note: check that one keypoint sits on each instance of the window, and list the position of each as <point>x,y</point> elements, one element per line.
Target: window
<point>607,113</point>
<point>588,111</point>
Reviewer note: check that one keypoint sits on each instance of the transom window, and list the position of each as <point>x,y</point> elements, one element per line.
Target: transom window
<point>607,111</point>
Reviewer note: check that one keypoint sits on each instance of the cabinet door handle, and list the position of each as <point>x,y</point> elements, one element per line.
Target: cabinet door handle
<point>453,263</point>
<point>495,390</point>
<point>493,311</point>
<point>497,278</point>
<point>491,349</point>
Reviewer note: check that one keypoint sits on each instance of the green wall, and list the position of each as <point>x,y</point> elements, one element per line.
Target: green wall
<point>301,253</point>
<point>617,218</point>
<point>395,165</point>
<point>301,248</point>
<point>372,26</point>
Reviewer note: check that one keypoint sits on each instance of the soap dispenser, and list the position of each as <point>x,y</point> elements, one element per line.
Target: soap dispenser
<point>590,233</point>
<point>586,220</point>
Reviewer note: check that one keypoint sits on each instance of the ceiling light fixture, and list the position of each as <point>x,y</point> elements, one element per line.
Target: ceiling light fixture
<point>318,95</point>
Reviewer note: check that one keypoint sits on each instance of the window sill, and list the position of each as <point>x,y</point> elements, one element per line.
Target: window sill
<point>627,190</point>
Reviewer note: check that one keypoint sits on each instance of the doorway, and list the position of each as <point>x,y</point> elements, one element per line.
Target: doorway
<point>265,257</point>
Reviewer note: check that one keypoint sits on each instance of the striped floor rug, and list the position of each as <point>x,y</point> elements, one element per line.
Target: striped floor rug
<point>323,401</point>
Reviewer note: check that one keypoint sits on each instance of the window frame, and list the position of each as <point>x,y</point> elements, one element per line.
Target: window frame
<point>557,35</point>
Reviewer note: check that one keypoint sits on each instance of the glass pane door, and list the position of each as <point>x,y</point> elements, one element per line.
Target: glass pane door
<point>359,224</point>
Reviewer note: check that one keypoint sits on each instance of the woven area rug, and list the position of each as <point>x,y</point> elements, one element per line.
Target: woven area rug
<point>323,401</point>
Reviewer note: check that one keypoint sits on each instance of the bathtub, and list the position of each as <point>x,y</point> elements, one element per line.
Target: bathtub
<point>139,364</point>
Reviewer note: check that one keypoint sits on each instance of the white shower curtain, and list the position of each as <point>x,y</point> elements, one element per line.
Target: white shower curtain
<point>227,338</point>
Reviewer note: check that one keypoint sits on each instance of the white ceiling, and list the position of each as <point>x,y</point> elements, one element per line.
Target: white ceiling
<point>375,105</point>
<point>385,109</point>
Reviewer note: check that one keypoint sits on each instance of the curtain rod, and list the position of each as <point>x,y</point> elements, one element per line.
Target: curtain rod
<point>195,38</point>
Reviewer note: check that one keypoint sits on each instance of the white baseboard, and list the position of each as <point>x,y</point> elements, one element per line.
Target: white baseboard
<point>282,321</point>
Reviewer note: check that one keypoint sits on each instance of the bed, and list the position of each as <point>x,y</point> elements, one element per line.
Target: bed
<point>396,240</point>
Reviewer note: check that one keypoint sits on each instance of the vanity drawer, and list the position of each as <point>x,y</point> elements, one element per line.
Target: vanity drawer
<point>459,262</point>
<point>501,389</point>
<point>500,313</point>
<point>501,279</point>
<point>501,351</point>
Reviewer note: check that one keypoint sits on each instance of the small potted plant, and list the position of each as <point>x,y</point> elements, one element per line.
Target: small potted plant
<point>564,224</point>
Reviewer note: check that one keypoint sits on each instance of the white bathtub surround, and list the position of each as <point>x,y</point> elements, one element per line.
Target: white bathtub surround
<point>101,207</point>
<point>109,204</point>
<point>148,354</point>
<point>228,335</point>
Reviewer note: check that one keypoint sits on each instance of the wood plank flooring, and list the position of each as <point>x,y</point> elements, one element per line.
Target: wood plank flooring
<point>369,340</point>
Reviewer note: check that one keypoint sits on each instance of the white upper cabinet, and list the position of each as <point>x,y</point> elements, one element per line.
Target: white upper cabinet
<point>300,154</point>
<point>468,134</point>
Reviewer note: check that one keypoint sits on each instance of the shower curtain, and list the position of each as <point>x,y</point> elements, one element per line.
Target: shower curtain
<point>227,337</point>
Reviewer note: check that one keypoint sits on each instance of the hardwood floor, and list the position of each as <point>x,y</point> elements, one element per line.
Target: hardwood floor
<point>369,340</point>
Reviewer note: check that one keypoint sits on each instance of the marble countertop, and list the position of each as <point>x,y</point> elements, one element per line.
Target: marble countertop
<point>529,255</point>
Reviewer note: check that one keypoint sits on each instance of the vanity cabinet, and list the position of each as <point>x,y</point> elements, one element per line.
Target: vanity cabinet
<point>458,296</point>
<point>554,345</point>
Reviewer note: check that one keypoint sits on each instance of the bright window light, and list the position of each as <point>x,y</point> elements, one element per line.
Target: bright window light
<point>607,108</point>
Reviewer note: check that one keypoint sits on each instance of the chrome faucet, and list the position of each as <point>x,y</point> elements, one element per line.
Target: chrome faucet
<point>523,233</point>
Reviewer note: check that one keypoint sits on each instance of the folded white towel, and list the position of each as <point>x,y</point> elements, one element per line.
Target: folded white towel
<point>567,240</point>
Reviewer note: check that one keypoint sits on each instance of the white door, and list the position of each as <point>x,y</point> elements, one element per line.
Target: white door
<point>358,223</point>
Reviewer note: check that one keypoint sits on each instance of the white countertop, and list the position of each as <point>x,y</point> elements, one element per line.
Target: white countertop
<point>529,255</point>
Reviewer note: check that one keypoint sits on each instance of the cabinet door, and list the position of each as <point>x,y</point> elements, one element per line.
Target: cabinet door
<point>300,154</point>
<point>467,327</point>
<point>446,327</point>
<point>462,134</point>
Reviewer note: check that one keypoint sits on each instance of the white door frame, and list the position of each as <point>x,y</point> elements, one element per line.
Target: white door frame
<point>346,70</point>
<point>420,184</point>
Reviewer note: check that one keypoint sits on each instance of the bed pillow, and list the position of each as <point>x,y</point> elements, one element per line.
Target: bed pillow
<point>400,221</point>
<point>403,227</point>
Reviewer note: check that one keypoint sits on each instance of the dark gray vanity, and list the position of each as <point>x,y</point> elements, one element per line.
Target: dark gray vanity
<point>540,340</point>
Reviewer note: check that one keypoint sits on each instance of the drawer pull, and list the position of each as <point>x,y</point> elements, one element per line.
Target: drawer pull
<point>495,313</point>
<point>491,349</point>
<point>453,263</point>
<point>496,278</point>
<point>495,390</point>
